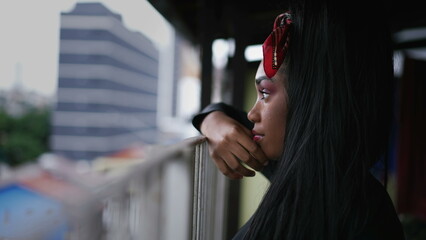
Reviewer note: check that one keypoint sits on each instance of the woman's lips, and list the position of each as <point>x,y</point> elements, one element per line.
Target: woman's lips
<point>257,137</point>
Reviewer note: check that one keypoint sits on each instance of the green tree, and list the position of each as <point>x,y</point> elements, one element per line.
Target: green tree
<point>23,138</point>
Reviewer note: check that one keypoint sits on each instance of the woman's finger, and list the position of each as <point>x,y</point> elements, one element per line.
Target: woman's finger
<point>254,150</point>
<point>244,156</point>
<point>223,167</point>
<point>235,165</point>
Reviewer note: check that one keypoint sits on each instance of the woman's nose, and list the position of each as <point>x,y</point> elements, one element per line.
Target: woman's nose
<point>253,114</point>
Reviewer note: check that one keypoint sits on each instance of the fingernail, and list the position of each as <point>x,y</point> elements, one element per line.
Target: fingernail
<point>266,163</point>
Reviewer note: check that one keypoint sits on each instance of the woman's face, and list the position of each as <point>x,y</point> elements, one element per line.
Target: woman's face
<point>269,112</point>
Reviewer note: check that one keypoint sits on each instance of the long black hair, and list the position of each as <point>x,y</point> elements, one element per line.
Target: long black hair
<point>340,86</point>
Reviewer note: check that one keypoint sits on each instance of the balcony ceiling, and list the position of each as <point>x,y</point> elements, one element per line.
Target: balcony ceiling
<point>254,19</point>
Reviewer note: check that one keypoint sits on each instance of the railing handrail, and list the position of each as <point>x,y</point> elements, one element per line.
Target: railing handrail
<point>163,153</point>
<point>134,201</point>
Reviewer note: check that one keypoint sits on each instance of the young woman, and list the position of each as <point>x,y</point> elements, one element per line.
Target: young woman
<point>321,120</point>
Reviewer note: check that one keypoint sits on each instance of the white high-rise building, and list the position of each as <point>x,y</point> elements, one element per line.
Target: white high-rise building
<point>107,85</point>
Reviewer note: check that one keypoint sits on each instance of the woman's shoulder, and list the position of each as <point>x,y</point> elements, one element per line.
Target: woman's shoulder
<point>382,222</point>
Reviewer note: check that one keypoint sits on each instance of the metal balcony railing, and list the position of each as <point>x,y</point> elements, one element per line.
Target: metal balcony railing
<point>175,193</point>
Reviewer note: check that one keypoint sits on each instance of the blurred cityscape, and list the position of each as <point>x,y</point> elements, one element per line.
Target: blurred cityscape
<point>110,93</point>
<point>112,105</point>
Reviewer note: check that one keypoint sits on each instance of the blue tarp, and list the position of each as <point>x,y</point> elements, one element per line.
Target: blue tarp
<point>26,214</point>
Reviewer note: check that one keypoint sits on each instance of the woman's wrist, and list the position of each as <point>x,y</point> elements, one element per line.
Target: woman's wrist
<point>210,120</point>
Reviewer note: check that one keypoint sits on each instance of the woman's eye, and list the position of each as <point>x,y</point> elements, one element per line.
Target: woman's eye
<point>264,93</point>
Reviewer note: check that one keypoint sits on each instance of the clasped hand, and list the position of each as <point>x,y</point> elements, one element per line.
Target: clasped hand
<point>231,146</point>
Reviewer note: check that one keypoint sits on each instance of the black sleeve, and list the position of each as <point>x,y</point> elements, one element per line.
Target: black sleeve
<point>239,116</point>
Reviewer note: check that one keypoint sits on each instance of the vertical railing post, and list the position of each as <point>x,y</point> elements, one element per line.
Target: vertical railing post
<point>209,197</point>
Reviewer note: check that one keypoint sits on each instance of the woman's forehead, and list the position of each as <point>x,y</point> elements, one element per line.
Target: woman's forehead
<point>260,70</point>
<point>260,73</point>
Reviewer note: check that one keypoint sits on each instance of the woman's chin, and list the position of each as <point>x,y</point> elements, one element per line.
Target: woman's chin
<point>271,154</point>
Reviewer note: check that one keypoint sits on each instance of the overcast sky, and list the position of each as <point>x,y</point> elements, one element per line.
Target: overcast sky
<point>29,40</point>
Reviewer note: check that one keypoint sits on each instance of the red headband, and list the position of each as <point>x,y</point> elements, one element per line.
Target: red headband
<point>276,45</point>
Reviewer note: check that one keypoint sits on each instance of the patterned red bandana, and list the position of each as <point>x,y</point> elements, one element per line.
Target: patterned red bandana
<point>276,45</point>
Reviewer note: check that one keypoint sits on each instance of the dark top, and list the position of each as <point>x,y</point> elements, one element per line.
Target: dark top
<point>383,223</point>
